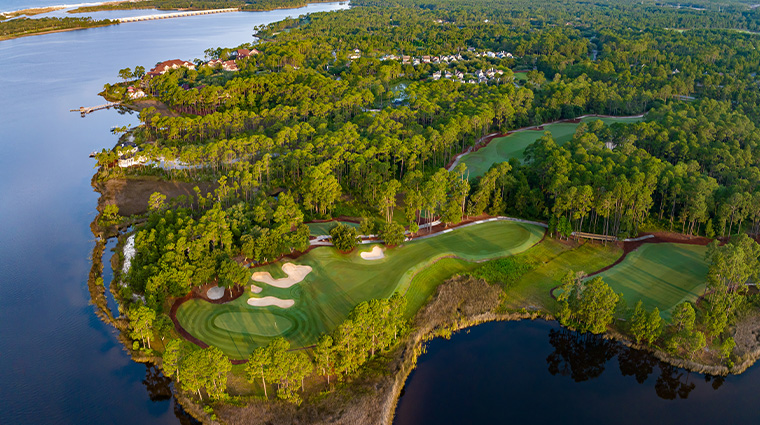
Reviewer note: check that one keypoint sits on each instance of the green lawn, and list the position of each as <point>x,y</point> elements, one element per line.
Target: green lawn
<point>318,229</point>
<point>339,282</point>
<point>660,275</point>
<point>553,260</point>
<point>513,146</point>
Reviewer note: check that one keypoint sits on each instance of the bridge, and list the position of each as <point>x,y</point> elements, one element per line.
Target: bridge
<point>176,15</point>
<point>593,236</point>
<point>84,110</point>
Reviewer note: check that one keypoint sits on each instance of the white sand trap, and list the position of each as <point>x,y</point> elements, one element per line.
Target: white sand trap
<point>376,254</point>
<point>256,289</point>
<point>215,293</point>
<point>129,253</point>
<point>295,275</point>
<point>266,301</point>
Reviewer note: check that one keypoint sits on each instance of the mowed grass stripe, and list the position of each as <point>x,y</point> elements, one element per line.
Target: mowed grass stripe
<point>339,282</point>
<point>513,145</point>
<point>318,229</point>
<point>660,275</point>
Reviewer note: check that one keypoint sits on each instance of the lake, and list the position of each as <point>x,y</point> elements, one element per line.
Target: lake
<point>535,372</point>
<point>60,363</point>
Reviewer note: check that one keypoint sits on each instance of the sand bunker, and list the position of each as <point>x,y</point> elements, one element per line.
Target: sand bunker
<point>256,289</point>
<point>215,293</point>
<point>267,301</point>
<point>295,275</point>
<point>375,254</point>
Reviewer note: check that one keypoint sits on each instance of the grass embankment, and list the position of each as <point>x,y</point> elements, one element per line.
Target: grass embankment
<point>338,282</point>
<point>513,146</point>
<point>318,229</point>
<point>552,259</point>
<point>660,275</point>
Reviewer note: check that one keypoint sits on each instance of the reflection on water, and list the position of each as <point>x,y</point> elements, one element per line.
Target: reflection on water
<point>516,368</point>
<point>584,356</point>
<point>59,363</point>
<point>579,356</point>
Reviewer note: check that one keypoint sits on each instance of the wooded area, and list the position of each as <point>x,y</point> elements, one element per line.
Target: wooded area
<point>330,119</point>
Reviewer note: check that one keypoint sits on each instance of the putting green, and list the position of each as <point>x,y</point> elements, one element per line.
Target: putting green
<point>513,146</point>
<point>660,275</point>
<point>339,282</point>
<point>262,323</point>
<point>318,229</point>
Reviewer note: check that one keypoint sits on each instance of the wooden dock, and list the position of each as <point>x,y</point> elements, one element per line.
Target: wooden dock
<point>176,15</point>
<point>84,110</point>
<point>593,236</point>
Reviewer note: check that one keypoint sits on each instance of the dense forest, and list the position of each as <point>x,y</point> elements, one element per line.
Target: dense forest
<point>346,114</point>
<point>24,26</point>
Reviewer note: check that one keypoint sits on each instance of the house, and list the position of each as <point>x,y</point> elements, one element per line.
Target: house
<point>406,59</point>
<point>165,66</point>
<point>426,59</point>
<point>355,55</point>
<point>241,53</point>
<point>448,75</point>
<point>135,93</point>
<point>230,66</point>
<point>459,75</point>
<point>415,62</point>
<point>437,75</point>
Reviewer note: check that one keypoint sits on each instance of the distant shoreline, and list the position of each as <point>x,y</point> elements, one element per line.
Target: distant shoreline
<point>15,36</point>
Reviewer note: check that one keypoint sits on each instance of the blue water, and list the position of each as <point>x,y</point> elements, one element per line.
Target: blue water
<point>59,364</point>
<point>535,373</point>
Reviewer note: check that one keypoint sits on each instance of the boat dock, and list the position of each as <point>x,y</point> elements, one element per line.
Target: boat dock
<point>176,15</point>
<point>84,110</point>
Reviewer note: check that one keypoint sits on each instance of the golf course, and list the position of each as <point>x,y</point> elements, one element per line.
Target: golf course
<point>317,229</point>
<point>512,146</point>
<point>661,275</point>
<point>338,282</point>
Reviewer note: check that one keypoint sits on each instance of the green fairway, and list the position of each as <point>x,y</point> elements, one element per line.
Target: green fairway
<point>318,229</point>
<point>660,275</point>
<point>553,261</point>
<point>339,282</point>
<point>512,146</point>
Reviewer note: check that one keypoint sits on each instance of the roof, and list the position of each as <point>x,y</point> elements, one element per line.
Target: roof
<point>161,67</point>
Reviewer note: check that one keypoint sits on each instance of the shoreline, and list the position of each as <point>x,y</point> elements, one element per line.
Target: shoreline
<point>16,36</point>
<point>403,357</point>
<point>9,15</point>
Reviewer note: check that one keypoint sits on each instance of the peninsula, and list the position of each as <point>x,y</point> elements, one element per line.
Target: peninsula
<point>297,216</point>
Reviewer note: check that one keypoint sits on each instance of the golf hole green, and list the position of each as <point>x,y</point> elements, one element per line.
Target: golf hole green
<point>262,323</point>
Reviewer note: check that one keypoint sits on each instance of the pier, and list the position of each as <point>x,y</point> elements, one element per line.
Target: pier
<point>84,110</point>
<point>176,15</point>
